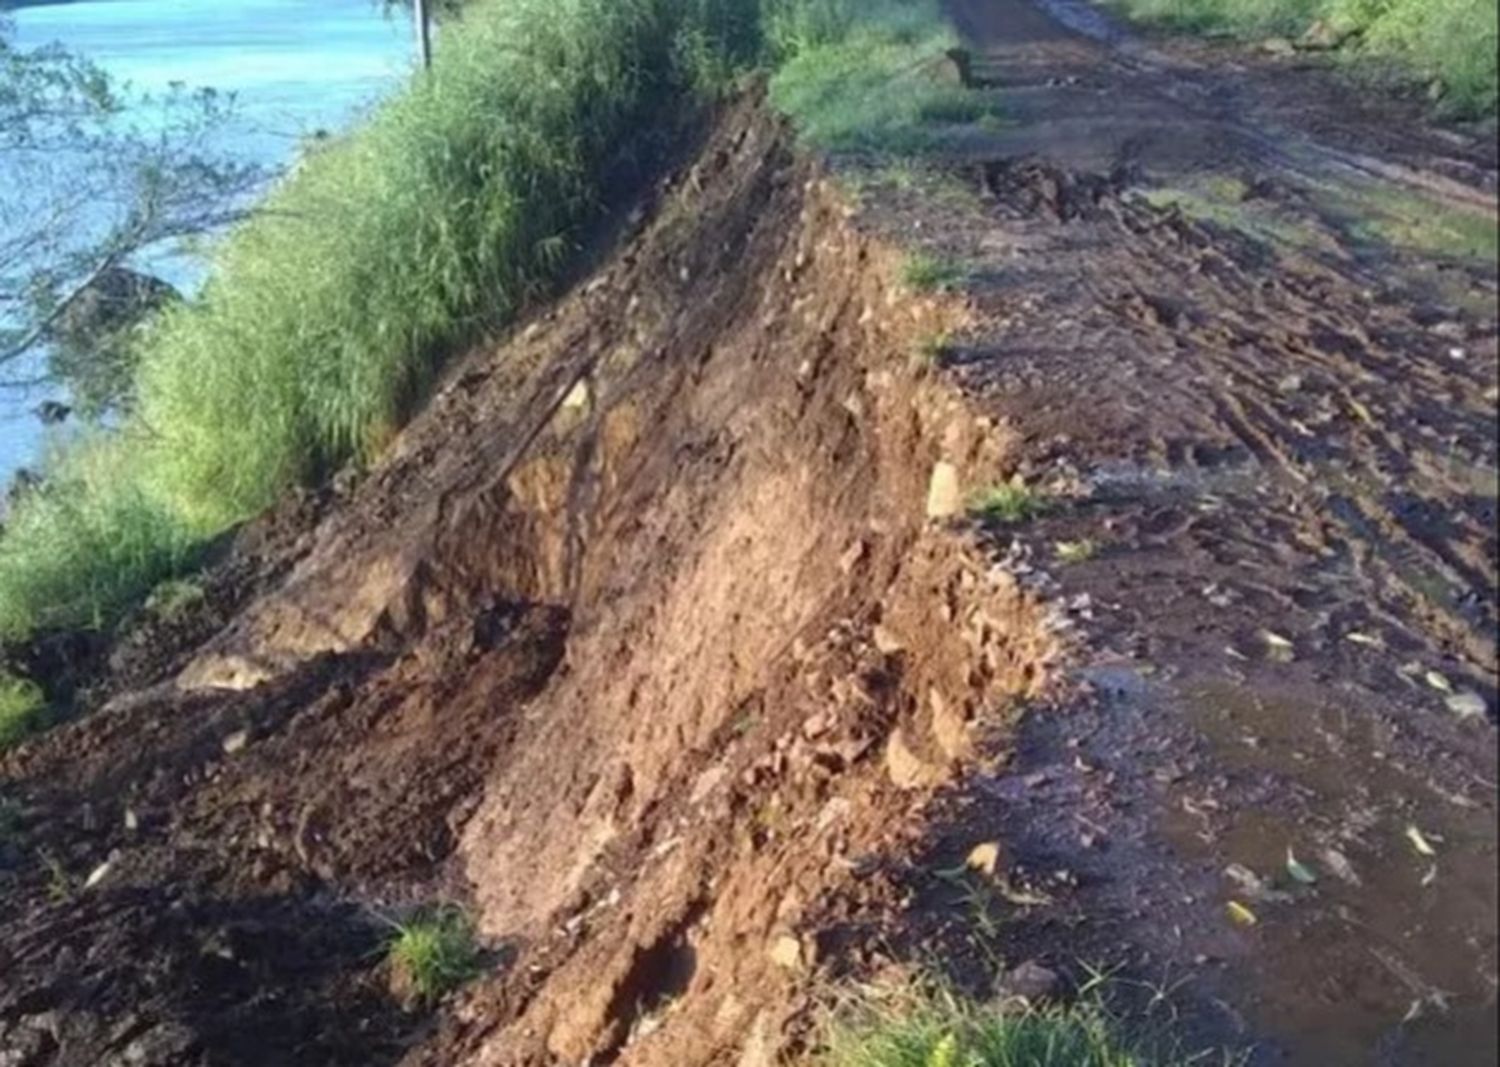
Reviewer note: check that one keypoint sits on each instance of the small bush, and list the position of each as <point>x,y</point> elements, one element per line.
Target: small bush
<point>1009,502</point>
<point>435,953</point>
<point>23,709</point>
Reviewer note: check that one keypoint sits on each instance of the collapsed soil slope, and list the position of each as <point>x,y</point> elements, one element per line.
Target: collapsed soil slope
<point>639,643</point>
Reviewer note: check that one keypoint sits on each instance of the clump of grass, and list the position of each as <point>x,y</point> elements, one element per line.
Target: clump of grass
<point>174,598</point>
<point>23,709</point>
<point>1009,502</point>
<point>925,1025</point>
<point>1451,41</point>
<point>858,77</point>
<point>928,273</point>
<point>435,952</point>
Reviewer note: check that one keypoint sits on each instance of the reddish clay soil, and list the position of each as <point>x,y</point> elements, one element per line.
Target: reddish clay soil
<point>662,642</point>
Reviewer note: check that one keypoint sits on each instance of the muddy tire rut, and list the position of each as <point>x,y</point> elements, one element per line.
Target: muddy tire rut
<point>640,645</point>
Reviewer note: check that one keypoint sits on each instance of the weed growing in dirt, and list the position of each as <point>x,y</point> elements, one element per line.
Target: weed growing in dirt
<point>1009,502</point>
<point>435,953</point>
<point>328,315</point>
<point>23,709</point>
<point>1451,42</point>
<point>867,81</point>
<point>927,1025</point>
<point>927,273</point>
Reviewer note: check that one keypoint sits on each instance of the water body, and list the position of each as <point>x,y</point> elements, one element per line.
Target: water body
<point>295,66</point>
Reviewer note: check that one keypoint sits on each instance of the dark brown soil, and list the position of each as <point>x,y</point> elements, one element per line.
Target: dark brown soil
<point>657,643</point>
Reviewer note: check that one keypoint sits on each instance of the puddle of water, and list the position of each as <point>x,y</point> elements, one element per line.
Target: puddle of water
<point>1393,963</point>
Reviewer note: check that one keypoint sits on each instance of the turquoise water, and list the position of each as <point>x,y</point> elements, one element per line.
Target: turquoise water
<point>296,66</point>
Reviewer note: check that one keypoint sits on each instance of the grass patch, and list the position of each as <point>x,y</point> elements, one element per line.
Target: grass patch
<point>23,709</point>
<point>435,953</point>
<point>927,273</point>
<point>929,1026</point>
<point>861,77</point>
<point>1009,502</point>
<point>328,315</point>
<point>1386,214</point>
<point>1451,42</point>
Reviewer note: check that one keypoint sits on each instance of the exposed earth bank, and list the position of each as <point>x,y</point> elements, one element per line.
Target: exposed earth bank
<point>664,641</point>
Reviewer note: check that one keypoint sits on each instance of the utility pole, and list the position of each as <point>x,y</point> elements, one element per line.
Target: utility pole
<point>423,19</point>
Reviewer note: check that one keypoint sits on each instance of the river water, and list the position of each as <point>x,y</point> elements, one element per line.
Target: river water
<point>296,66</point>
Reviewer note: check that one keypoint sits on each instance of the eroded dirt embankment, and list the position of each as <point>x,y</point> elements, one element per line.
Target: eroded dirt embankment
<point>640,644</point>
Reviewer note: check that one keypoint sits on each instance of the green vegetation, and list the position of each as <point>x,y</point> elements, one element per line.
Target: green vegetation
<point>928,273</point>
<point>933,1027</point>
<point>1452,42</point>
<point>1390,215</point>
<point>1009,502</point>
<point>23,709</point>
<point>435,953</point>
<point>174,598</point>
<point>329,313</point>
<point>862,77</point>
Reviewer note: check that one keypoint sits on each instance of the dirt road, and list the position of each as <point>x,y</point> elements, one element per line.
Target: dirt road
<point>665,643</point>
<point>1281,437</point>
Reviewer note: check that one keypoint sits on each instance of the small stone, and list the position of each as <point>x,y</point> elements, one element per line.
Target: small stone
<point>887,643</point>
<point>101,872</point>
<point>786,953</point>
<point>944,499</point>
<point>578,397</point>
<point>1278,46</point>
<point>236,742</point>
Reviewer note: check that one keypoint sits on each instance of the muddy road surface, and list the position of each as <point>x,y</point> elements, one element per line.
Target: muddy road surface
<point>686,644</point>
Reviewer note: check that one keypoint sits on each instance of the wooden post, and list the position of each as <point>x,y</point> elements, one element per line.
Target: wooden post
<point>422,16</point>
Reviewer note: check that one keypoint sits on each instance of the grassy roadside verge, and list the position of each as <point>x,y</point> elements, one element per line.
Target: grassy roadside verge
<point>1452,43</point>
<point>328,316</point>
<point>921,1023</point>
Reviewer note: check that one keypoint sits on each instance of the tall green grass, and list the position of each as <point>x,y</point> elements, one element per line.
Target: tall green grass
<point>1453,42</point>
<point>329,314</point>
<point>859,77</point>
